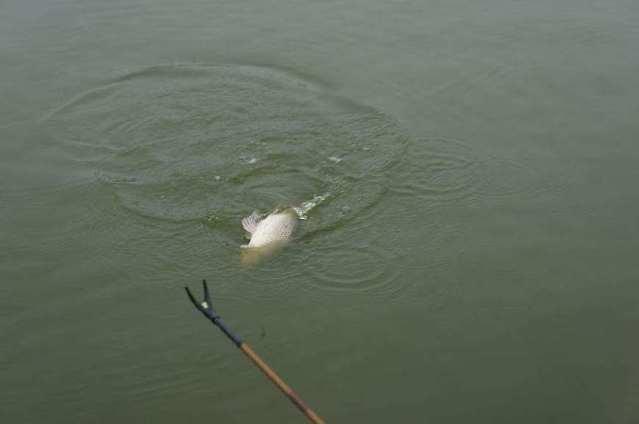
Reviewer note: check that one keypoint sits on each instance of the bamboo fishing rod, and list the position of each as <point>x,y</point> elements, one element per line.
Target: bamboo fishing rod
<point>206,307</point>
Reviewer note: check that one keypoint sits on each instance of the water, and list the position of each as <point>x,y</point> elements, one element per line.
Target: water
<point>467,171</point>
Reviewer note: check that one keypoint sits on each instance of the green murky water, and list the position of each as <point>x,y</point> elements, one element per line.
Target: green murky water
<point>470,252</point>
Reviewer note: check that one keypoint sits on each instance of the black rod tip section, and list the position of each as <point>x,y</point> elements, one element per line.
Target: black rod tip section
<point>193,301</point>
<point>207,295</point>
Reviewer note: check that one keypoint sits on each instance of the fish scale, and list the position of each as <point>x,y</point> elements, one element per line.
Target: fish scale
<point>276,227</point>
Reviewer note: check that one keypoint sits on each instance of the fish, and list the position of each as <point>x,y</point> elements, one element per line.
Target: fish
<point>268,234</point>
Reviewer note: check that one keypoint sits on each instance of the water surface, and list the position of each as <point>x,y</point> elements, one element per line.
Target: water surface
<point>471,249</point>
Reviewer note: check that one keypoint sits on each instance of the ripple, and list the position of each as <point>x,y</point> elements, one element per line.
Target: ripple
<point>272,280</point>
<point>358,259</point>
<point>355,268</point>
<point>183,142</point>
<point>438,168</point>
<point>441,169</point>
<point>505,177</point>
<point>362,258</point>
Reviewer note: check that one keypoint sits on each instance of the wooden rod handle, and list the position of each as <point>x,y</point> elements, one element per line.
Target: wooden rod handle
<point>272,375</point>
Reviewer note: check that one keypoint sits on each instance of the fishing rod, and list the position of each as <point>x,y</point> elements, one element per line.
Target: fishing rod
<point>206,307</point>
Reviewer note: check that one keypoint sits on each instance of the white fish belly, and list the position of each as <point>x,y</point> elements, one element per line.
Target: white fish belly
<point>274,228</point>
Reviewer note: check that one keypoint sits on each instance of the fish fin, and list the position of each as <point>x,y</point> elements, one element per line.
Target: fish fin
<point>251,222</point>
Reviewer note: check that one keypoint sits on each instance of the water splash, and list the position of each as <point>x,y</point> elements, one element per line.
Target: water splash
<point>303,209</point>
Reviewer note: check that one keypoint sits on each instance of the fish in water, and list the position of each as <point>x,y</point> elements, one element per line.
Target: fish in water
<point>267,234</point>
